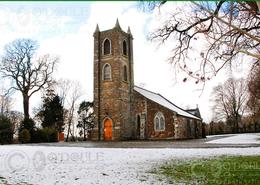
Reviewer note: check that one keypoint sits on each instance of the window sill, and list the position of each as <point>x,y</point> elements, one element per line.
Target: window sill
<point>159,130</point>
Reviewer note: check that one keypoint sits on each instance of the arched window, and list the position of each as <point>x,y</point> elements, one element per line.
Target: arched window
<point>107,47</point>
<point>107,72</point>
<point>125,73</point>
<point>124,48</point>
<point>159,122</point>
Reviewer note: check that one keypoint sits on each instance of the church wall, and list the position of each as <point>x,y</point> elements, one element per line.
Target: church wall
<point>199,129</point>
<point>181,128</point>
<point>152,109</point>
<point>176,126</point>
<point>139,108</point>
<point>185,129</point>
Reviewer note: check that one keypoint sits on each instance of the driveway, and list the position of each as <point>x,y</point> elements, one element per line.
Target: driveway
<point>190,143</point>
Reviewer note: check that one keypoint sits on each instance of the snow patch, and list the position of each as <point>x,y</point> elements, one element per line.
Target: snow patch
<point>238,139</point>
<point>41,165</point>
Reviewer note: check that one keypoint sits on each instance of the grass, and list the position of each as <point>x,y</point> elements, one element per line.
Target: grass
<point>3,181</point>
<point>223,170</point>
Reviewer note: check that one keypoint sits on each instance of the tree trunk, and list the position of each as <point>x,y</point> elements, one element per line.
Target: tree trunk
<point>26,106</point>
<point>68,133</point>
<point>84,131</point>
<point>2,105</point>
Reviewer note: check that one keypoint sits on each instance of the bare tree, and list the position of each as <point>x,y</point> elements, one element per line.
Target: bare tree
<point>230,101</point>
<point>15,117</point>
<point>70,93</point>
<point>28,72</point>
<point>5,101</point>
<point>254,94</point>
<point>86,119</point>
<point>209,35</point>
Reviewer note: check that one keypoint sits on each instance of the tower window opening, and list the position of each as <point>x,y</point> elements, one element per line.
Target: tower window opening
<point>124,48</point>
<point>107,72</point>
<point>107,47</point>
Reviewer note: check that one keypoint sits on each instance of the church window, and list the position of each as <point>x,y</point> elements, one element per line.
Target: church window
<point>107,72</point>
<point>124,48</point>
<point>162,124</point>
<point>125,73</point>
<point>159,122</point>
<point>107,47</point>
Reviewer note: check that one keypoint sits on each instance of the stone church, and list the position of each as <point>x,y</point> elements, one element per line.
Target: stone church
<point>125,111</point>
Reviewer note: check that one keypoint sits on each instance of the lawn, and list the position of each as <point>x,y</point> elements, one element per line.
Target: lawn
<point>222,170</point>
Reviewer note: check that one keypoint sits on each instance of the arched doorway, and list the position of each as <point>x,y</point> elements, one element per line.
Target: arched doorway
<point>107,129</point>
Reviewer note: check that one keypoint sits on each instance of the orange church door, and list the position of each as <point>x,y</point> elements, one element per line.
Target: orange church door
<point>108,129</point>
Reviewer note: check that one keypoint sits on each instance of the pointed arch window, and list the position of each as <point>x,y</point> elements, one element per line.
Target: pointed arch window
<point>107,72</point>
<point>107,47</point>
<point>125,76</point>
<point>159,122</point>
<point>124,48</point>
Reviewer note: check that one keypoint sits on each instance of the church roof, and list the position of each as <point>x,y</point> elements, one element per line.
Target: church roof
<point>195,112</point>
<point>157,98</point>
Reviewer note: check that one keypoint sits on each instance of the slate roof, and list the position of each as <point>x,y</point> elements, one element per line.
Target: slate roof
<point>157,98</point>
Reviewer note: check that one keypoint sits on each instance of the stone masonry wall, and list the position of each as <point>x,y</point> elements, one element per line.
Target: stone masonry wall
<point>152,109</point>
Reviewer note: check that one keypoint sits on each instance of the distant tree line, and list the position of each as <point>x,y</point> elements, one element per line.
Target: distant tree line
<point>237,105</point>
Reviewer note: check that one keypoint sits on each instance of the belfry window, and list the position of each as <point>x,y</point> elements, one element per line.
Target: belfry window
<point>107,47</point>
<point>125,76</point>
<point>107,72</point>
<point>124,48</point>
<point>159,122</point>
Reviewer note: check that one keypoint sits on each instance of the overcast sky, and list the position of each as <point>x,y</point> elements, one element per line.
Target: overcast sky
<point>66,29</point>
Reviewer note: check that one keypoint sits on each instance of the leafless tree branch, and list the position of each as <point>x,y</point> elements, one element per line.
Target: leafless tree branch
<point>217,32</point>
<point>28,73</point>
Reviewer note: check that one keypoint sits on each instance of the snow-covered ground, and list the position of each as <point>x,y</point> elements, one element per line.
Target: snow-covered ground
<point>252,138</point>
<point>76,165</point>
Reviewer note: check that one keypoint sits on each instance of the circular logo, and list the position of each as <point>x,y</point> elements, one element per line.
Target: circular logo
<point>216,169</point>
<point>17,161</point>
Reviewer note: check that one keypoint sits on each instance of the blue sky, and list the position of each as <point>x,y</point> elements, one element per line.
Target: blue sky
<point>66,29</point>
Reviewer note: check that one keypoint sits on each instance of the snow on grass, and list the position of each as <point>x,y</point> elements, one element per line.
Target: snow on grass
<point>75,165</point>
<point>251,138</point>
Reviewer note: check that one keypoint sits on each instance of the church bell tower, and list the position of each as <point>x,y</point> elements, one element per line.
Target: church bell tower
<point>113,84</point>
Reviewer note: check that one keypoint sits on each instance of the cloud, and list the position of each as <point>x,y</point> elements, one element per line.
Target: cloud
<point>70,36</point>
